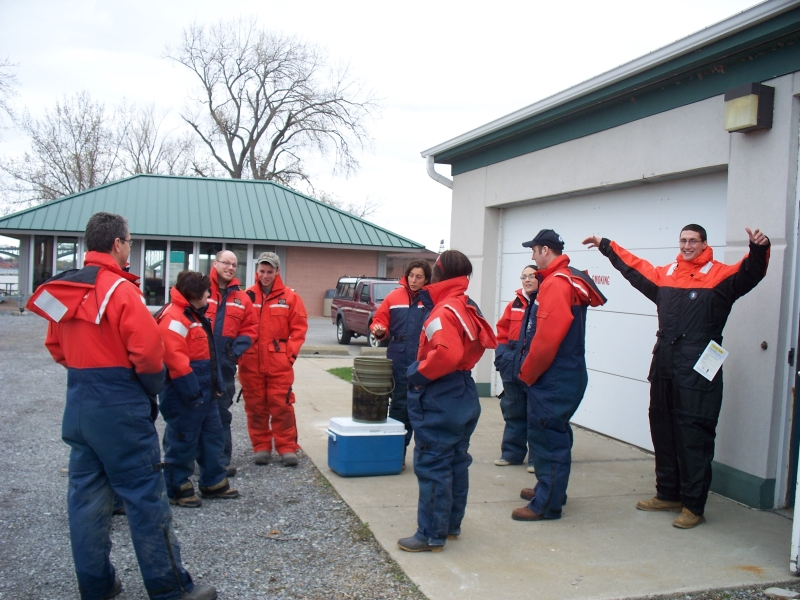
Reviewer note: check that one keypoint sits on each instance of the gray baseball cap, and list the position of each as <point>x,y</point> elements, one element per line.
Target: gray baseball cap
<point>269,257</point>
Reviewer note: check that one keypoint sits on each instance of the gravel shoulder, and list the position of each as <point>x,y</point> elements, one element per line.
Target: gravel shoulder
<point>289,535</point>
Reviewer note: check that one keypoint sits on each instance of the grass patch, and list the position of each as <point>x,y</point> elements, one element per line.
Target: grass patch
<point>345,373</point>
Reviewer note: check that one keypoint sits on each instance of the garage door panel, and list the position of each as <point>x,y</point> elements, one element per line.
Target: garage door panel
<point>620,344</point>
<point>617,407</point>
<point>647,216</point>
<point>647,221</point>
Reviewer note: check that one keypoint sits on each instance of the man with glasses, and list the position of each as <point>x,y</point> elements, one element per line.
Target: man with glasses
<point>101,331</point>
<point>235,326</point>
<point>693,298</point>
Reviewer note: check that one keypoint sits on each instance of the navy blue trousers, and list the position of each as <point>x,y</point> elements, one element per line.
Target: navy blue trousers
<point>194,432</point>
<point>444,414</point>
<point>224,403</point>
<point>552,401</point>
<point>398,409</point>
<point>514,406</point>
<point>115,451</point>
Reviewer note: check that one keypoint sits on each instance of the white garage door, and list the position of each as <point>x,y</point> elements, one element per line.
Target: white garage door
<point>646,220</point>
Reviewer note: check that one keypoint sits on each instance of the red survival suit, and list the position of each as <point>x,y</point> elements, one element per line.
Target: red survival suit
<point>265,369</point>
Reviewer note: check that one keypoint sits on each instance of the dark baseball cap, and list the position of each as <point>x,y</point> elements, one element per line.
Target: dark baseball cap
<point>546,237</point>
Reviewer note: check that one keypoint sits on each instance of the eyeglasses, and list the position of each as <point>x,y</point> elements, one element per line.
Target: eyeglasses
<point>226,263</point>
<point>683,242</point>
<point>129,241</point>
<point>532,276</point>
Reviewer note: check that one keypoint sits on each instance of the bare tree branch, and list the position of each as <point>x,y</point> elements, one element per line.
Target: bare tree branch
<point>74,147</point>
<point>266,100</point>
<point>362,210</point>
<point>147,148</point>
<point>8,87</point>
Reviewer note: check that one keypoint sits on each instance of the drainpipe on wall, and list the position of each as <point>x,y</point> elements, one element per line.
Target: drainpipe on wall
<point>437,176</point>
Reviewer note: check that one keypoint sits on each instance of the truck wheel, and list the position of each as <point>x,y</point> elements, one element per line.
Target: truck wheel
<point>375,342</point>
<point>343,334</point>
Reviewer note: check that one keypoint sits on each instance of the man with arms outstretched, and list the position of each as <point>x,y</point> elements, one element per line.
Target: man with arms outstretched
<point>693,298</point>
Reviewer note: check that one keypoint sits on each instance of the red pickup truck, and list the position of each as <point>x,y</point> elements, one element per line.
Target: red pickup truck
<point>354,305</point>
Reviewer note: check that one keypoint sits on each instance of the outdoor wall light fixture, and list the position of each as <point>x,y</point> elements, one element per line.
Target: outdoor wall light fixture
<point>749,108</point>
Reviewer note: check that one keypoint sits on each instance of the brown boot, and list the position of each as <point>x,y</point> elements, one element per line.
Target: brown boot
<point>525,514</point>
<point>687,519</point>
<point>221,490</point>
<point>655,504</point>
<point>186,497</point>
<point>527,494</point>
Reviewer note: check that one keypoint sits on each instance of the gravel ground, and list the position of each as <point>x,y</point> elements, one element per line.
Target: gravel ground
<point>288,536</point>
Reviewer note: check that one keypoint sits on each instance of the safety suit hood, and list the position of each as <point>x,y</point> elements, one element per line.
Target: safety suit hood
<point>457,286</point>
<point>69,295</point>
<point>701,259</point>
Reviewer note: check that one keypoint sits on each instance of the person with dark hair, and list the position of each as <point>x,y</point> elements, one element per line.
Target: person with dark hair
<point>266,368</point>
<point>693,297</point>
<point>102,332</point>
<point>401,315</point>
<point>235,326</point>
<point>512,342</point>
<point>554,370</point>
<point>189,399</point>
<point>443,404</point>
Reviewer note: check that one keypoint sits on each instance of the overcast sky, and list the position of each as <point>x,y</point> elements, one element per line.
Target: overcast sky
<point>442,68</point>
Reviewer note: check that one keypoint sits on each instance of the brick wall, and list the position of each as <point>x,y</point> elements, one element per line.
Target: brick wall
<point>311,271</point>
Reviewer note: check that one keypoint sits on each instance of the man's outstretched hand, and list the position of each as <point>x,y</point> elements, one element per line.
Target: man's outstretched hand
<point>756,237</point>
<point>593,241</point>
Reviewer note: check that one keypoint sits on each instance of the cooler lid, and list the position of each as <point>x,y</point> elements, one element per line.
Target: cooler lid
<point>346,426</point>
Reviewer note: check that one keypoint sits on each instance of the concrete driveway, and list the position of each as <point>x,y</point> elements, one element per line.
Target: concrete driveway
<point>602,547</point>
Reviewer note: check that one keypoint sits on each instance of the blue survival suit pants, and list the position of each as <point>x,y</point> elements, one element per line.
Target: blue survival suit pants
<point>194,431</point>
<point>552,401</point>
<point>444,414</point>
<point>115,451</point>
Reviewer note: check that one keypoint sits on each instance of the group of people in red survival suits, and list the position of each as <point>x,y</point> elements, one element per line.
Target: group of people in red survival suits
<point>119,361</point>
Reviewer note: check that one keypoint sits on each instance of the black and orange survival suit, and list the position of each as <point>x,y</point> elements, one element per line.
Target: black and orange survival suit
<point>693,299</point>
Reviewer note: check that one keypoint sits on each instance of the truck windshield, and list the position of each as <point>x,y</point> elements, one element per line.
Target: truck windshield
<point>381,290</point>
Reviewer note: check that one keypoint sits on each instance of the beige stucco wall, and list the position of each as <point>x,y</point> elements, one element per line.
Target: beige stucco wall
<point>761,167</point>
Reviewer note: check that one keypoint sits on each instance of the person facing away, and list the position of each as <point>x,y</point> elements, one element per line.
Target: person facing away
<point>443,404</point>
<point>400,316</point>
<point>235,325</point>
<point>693,297</point>
<point>512,342</point>
<point>101,331</point>
<point>265,369</point>
<point>554,371</point>
<point>189,398</point>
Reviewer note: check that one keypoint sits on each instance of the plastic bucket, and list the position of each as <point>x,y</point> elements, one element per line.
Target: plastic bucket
<point>372,385</point>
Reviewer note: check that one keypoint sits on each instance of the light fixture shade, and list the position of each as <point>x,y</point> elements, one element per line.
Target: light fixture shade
<point>749,108</point>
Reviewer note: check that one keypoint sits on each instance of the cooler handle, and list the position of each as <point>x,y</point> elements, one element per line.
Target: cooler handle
<point>331,435</point>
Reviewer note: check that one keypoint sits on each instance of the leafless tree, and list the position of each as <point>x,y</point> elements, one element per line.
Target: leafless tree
<point>146,147</point>
<point>361,210</point>
<point>8,85</point>
<point>74,147</point>
<point>266,100</point>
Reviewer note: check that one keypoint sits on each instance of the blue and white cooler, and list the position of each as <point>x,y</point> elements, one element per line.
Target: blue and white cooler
<point>360,449</point>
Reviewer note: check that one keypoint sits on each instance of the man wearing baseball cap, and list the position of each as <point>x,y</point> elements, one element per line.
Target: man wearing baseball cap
<point>265,370</point>
<point>554,369</point>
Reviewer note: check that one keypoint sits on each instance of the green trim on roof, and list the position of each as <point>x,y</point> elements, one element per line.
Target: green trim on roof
<point>759,53</point>
<point>195,207</point>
